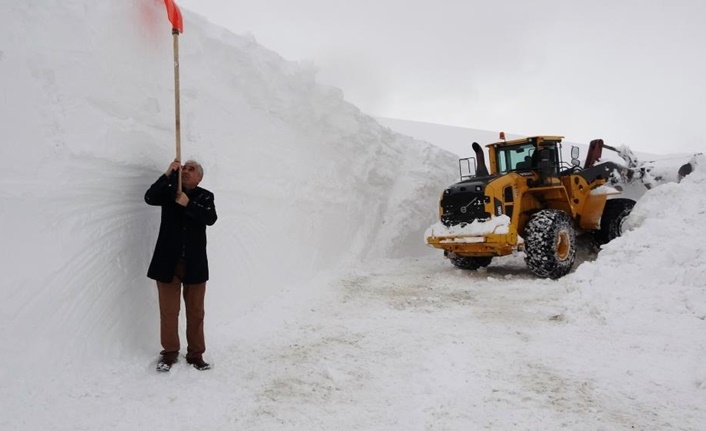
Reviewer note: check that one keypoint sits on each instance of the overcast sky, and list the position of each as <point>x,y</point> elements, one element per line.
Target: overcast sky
<point>630,71</point>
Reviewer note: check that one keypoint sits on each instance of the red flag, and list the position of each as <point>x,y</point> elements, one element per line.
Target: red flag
<point>174,15</point>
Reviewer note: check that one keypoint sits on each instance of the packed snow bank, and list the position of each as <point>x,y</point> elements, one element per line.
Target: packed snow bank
<point>303,180</point>
<point>664,244</point>
<point>646,292</point>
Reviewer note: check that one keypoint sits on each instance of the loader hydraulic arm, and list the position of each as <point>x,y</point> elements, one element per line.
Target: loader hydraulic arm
<point>595,151</point>
<point>602,171</point>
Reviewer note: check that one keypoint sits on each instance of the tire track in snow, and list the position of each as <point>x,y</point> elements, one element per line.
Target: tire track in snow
<point>422,345</point>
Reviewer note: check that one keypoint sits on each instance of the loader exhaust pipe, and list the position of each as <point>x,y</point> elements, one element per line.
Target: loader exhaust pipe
<point>482,169</point>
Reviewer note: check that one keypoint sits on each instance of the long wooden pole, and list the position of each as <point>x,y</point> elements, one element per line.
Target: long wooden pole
<point>177,110</point>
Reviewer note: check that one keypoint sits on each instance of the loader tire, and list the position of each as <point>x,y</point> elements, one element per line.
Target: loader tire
<point>550,244</point>
<point>614,215</point>
<point>471,263</point>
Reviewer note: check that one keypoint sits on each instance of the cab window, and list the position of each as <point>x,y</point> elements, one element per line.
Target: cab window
<point>515,158</point>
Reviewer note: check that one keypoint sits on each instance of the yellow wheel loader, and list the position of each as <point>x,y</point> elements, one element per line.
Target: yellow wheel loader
<point>527,199</point>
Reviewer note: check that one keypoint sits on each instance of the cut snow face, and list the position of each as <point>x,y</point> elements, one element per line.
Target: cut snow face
<point>303,181</point>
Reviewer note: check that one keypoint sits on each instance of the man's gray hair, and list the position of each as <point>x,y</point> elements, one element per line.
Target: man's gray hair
<point>199,168</point>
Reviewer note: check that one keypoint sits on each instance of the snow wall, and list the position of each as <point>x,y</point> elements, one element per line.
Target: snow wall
<point>304,182</point>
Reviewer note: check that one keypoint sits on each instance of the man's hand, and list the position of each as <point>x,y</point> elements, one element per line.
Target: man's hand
<point>175,165</point>
<point>182,199</point>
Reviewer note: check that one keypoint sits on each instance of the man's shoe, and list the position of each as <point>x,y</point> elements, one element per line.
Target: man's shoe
<point>165,364</point>
<point>199,364</point>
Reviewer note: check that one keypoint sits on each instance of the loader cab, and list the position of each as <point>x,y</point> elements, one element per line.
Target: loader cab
<point>541,154</point>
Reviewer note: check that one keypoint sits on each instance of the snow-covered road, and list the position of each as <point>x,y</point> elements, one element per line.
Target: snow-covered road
<point>420,345</point>
<point>401,345</point>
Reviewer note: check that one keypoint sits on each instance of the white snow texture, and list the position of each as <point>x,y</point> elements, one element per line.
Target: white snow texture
<point>325,309</point>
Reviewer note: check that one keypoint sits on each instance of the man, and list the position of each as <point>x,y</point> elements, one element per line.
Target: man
<point>180,258</point>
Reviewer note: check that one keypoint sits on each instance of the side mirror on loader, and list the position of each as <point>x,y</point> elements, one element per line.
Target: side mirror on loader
<point>575,156</point>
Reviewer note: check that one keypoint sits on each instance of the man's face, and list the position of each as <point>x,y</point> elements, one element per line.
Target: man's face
<point>190,177</point>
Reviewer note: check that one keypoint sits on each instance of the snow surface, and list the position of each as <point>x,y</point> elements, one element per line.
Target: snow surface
<point>325,310</point>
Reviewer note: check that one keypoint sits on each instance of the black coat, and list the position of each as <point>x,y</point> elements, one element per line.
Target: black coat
<point>182,231</point>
